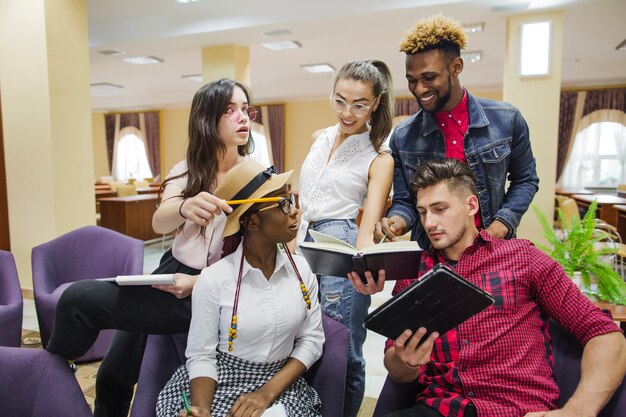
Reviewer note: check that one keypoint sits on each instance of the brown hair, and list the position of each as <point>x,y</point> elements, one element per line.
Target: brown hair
<point>456,174</point>
<point>206,148</point>
<point>435,32</point>
<point>377,75</point>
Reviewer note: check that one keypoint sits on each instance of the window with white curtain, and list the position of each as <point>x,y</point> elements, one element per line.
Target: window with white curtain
<point>598,157</point>
<point>261,152</point>
<point>132,161</point>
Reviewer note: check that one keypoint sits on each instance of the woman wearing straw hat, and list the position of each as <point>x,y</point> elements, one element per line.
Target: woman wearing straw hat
<point>219,140</point>
<point>345,165</point>
<point>256,323</point>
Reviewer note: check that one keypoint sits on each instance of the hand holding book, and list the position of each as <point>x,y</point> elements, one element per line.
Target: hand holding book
<point>331,256</point>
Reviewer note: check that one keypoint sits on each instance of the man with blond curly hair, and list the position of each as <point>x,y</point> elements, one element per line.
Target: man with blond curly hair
<point>491,136</point>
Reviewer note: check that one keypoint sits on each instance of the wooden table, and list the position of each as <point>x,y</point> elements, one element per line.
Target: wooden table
<point>570,191</point>
<point>621,220</point>
<point>617,311</point>
<point>102,187</point>
<point>147,190</point>
<point>606,205</point>
<point>131,215</point>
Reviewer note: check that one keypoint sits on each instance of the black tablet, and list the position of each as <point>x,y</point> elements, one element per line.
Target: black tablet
<point>439,301</point>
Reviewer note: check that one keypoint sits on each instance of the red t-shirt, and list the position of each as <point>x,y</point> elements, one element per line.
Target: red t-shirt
<point>453,124</point>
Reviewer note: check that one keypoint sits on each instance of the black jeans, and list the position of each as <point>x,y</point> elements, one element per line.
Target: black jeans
<point>422,410</point>
<point>88,306</point>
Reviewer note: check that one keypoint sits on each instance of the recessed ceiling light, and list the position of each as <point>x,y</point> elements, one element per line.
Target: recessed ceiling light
<point>143,60</point>
<point>474,27</point>
<point>281,46</point>
<point>621,46</point>
<point>185,1</point>
<point>472,56</point>
<point>318,68</point>
<point>277,32</point>
<point>106,86</point>
<point>111,52</point>
<point>193,77</point>
<point>511,7</point>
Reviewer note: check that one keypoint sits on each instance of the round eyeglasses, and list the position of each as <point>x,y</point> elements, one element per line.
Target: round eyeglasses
<point>233,113</point>
<point>285,204</point>
<point>358,109</point>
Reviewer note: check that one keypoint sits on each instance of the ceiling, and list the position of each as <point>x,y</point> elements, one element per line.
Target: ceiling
<point>330,31</point>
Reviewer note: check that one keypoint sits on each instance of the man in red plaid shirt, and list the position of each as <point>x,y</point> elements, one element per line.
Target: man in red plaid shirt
<point>498,362</point>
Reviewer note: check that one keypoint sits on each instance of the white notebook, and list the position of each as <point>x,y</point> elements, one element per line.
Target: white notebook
<point>156,279</point>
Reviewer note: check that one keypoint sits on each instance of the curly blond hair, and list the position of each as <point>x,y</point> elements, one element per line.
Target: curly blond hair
<point>432,32</point>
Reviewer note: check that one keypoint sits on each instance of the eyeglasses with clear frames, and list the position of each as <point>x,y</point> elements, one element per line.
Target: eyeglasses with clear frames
<point>358,109</point>
<point>285,204</point>
<point>233,113</point>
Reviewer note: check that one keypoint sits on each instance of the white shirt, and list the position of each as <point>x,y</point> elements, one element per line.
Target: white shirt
<point>335,188</point>
<point>273,321</point>
<point>190,247</point>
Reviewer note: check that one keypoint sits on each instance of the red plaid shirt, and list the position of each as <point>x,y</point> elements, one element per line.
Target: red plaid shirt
<point>501,359</point>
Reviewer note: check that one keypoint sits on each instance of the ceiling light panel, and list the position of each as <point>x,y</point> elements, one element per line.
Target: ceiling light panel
<point>143,60</point>
<point>474,27</point>
<point>278,32</point>
<point>472,56</point>
<point>193,77</point>
<point>318,68</point>
<point>106,86</point>
<point>111,52</point>
<point>282,46</point>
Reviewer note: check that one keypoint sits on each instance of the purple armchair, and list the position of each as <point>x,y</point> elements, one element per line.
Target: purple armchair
<point>34,383</point>
<point>11,304</point>
<point>86,253</point>
<point>164,354</point>
<point>567,354</point>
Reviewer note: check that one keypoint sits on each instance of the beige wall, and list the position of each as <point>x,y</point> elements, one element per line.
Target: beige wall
<point>538,100</point>
<point>302,118</point>
<point>47,122</point>
<point>99,141</point>
<point>490,94</point>
<point>173,126</point>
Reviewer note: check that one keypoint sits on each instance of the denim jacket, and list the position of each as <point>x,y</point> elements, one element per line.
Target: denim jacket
<point>496,144</point>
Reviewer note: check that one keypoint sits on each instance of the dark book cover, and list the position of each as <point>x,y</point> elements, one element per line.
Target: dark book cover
<point>439,301</point>
<point>401,264</point>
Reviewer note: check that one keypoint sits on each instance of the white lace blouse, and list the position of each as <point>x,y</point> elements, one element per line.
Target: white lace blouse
<point>335,188</point>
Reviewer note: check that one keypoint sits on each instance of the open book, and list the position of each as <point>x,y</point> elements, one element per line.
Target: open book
<point>439,301</point>
<point>156,279</point>
<point>328,255</point>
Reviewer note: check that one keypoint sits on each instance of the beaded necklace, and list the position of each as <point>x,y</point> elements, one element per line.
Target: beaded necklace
<point>232,331</point>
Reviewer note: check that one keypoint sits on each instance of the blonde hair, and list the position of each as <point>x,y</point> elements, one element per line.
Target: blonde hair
<point>434,32</point>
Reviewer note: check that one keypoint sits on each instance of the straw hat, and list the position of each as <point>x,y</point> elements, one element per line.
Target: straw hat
<point>233,185</point>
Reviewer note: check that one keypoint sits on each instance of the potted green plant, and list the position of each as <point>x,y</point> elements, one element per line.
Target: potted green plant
<point>577,251</point>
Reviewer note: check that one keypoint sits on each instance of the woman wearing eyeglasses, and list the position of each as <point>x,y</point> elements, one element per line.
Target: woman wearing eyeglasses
<point>256,324</point>
<point>346,169</point>
<point>219,139</point>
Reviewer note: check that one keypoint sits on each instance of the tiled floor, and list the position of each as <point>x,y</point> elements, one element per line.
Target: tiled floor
<point>373,348</point>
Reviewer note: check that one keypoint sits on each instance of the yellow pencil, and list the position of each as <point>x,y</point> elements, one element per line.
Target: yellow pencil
<point>254,200</point>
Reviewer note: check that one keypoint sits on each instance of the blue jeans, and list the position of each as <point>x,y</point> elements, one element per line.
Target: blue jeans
<point>340,301</point>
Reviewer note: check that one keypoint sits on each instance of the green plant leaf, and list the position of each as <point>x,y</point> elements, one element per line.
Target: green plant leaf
<point>576,252</point>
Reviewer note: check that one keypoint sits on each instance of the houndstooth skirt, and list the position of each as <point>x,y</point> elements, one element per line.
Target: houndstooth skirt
<point>236,377</point>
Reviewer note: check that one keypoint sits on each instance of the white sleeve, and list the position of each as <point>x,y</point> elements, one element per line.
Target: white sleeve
<point>309,341</point>
<point>204,329</point>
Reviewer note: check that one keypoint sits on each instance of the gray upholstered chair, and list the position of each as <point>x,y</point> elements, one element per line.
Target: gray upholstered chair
<point>567,354</point>
<point>86,253</point>
<point>11,303</point>
<point>164,354</point>
<point>35,383</point>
